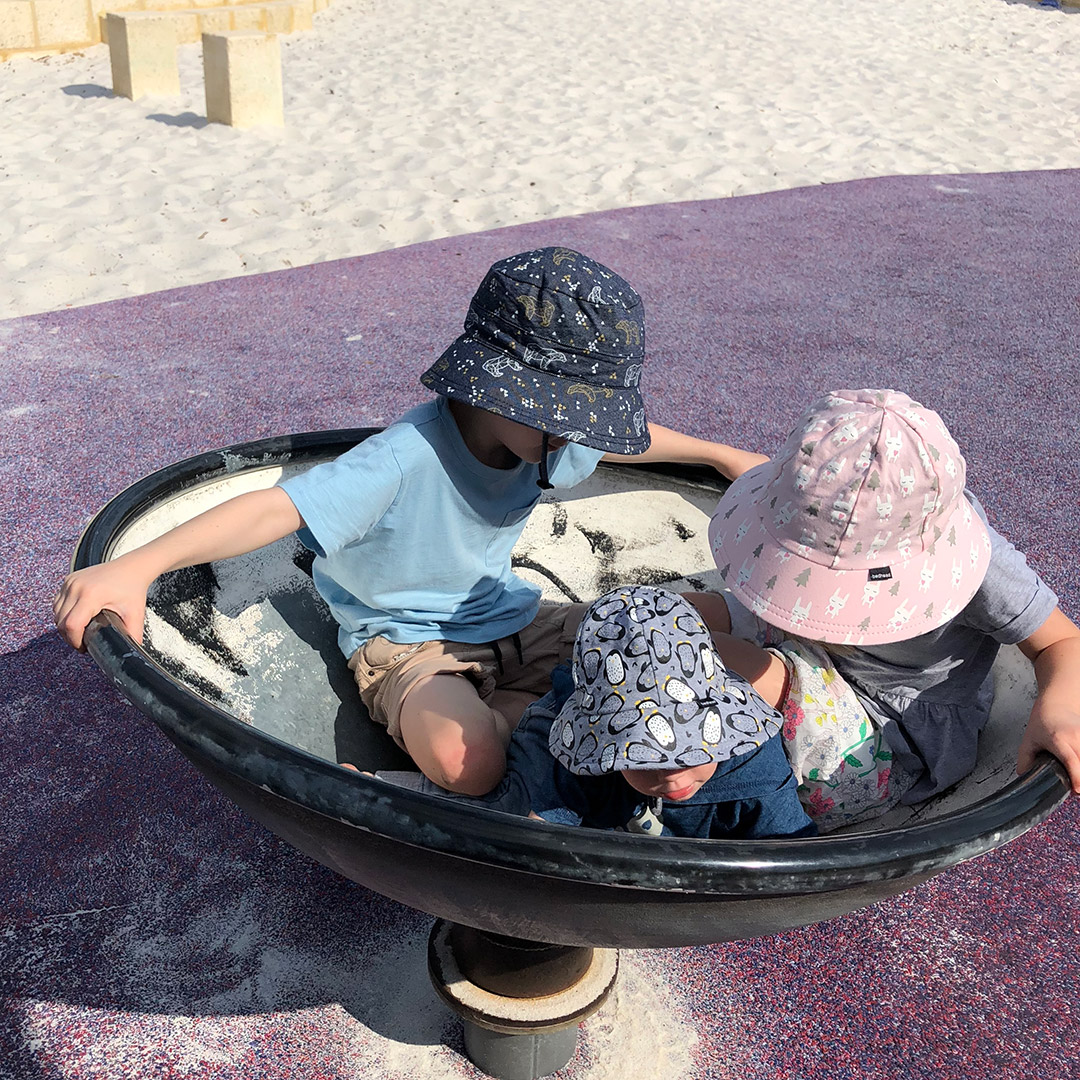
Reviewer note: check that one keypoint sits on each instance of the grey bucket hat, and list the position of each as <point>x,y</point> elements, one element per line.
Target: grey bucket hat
<point>651,692</point>
<point>555,341</point>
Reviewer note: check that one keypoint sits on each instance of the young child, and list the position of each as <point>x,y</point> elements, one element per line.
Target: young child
<point>650,734</point>
<point>414,527</point>
<point>880,595</point>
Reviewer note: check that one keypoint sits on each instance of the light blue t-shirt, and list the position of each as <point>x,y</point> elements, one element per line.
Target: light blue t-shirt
<point>412,534</point>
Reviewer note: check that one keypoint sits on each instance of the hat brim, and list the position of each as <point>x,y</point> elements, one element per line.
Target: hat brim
<point>606,417</point>
<point>859,606</point>
<point>600,744</point>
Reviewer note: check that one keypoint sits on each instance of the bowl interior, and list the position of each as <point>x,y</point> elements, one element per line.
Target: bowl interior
<point>252,636</point>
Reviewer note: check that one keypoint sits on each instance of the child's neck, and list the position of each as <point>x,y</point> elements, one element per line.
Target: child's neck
<point>478,437</point>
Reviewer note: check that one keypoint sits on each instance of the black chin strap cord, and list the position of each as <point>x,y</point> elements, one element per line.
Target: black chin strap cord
<point>543,483</point>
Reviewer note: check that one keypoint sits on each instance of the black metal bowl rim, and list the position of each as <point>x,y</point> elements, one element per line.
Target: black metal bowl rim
<point>207,733</point>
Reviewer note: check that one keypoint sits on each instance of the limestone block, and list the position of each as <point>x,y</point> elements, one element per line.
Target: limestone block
<point>277,17</point>
<point>242,72</point>
<point>320,5</point>
<point>246,17</point>
<point>287,16</point>
<point>302,11</point>
<point>16,25</point>
<point>215,20</point>
<point>100,9</point>
<point>142,51</point>
<point>60,22</point>
<point>186,23</point>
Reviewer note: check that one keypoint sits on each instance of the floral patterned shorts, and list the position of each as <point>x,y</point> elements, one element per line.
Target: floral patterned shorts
<point>837,751</point>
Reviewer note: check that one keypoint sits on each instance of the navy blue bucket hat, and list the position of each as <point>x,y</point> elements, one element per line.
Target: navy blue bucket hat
<point>651,692</point>
<point>555,341</point>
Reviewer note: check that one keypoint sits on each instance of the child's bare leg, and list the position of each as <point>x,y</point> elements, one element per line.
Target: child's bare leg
<point>510,704</point>
<point>455,739</point>
<point>767,672</point>
<point>713,610</point>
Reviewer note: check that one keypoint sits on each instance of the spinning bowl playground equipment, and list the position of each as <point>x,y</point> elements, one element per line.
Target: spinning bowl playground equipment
<point>241,670</point>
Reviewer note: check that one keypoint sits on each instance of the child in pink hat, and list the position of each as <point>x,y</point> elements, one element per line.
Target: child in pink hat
<point>879,595</point>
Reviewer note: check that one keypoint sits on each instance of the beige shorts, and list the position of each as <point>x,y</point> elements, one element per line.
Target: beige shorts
<point>385,671</point>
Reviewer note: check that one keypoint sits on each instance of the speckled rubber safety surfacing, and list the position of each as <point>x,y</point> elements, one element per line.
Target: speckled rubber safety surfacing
<point>150,929</point>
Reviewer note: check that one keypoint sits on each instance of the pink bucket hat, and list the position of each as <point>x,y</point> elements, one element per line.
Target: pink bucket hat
<point>859,530</point>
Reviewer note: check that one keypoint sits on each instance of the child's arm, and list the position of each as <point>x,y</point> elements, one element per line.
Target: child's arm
<point>1054,649</point>
<point>234,527</point>
<point>668,445</point>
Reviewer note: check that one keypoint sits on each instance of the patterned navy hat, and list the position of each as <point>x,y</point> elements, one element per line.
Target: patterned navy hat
<point>555,341</point>
<point>651,692</point>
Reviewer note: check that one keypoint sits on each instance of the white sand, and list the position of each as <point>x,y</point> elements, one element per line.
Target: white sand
<point>328,1007</point>
<point>409,120</point>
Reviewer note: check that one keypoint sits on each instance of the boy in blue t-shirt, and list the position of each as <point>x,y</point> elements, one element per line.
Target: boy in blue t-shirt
<point>413,528</point>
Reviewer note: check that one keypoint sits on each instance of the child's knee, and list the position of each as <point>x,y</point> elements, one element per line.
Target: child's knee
<point>455,739</point>
<point>713,609</point>
<point>468,767</point>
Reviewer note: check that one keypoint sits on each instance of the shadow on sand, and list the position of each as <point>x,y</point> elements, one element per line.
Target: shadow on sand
<point>135,887</point>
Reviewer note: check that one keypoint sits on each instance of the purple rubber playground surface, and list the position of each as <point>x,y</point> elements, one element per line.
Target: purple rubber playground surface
<point>149,929</point>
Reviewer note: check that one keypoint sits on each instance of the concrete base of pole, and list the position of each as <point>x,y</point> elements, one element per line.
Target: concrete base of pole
<point>520,1001</point>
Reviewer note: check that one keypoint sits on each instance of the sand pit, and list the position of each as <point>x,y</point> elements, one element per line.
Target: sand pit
<point>410,121</point>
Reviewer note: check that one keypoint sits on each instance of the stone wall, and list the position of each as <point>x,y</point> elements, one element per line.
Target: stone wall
<point>43,26</point>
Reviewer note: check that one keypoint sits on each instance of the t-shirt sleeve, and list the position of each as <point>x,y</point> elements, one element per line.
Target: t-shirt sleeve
<point>573,463</point>
<point>342,499</point>
<point>1013,600</point>
<point>748,626</point>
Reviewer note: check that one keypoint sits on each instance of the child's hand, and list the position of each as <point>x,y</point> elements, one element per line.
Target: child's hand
<point>233,527</point>
<point>1054,724</point>
<point>1057,731</point>
<point>87,592</point>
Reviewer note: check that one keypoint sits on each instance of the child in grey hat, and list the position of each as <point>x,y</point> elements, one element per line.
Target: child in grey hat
<point>412,530</point>
<point>648,732</point>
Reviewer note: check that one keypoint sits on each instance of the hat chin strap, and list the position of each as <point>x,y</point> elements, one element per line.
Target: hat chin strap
<point>543,483</point>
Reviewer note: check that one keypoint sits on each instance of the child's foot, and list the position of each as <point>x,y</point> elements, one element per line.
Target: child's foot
<point>362,772</point>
